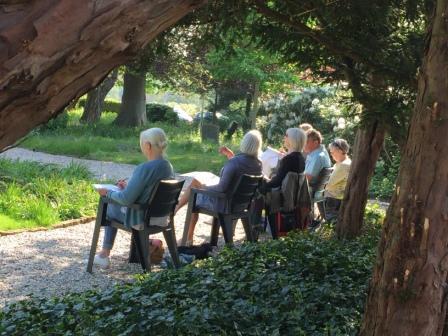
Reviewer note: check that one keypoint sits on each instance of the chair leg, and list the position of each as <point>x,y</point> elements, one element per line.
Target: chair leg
<point>248,229</point>
<point>226,224</point>
<point>100,218</point>
<point>170,238</point>
<point>188,219</point>
<point>215,232</point>
<point>141,241</point>
<point>271,220</point>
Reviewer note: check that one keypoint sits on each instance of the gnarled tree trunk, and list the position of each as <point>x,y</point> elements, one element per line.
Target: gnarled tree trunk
<point>366,150</point>
<point>52,51</point>
<point>408,289</point>
<point>95,99</point>
<point>133,101</point>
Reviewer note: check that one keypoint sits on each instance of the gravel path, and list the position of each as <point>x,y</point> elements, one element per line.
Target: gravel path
<point>51,263</point>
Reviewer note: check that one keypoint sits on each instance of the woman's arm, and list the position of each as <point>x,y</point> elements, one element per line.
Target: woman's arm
<point>283,169</point>
<point>228,172</point>
<point>134,188</point>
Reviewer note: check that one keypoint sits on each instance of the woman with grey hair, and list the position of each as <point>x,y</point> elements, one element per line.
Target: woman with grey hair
<point>153,143</point>
<point>334,190</point>
<point>293,161</point>
<point>246,162</point>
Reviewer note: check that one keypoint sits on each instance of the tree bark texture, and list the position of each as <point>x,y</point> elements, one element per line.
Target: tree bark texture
<point>95,99</point>
<point>409,284</point>
<point>52,51</point>
<point>133,101</point>
<point>366,150</point>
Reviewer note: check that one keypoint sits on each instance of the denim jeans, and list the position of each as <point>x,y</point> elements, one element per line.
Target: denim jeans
<point>113,213</point>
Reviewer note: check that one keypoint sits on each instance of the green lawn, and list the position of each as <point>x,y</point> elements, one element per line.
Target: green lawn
<point>107,142</point>
<point>36,195</point>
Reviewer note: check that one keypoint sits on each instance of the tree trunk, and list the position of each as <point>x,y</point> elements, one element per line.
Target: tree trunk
<point>133,101</point>
<point>95,99</point>
<point>254,110</point>
<point>408,288</point>
<point>52,52</point>
<point>366,150</point>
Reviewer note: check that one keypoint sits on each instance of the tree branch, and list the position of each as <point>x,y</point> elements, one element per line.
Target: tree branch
<point>335,47</point>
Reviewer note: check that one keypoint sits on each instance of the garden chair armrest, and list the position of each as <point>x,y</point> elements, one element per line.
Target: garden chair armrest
<point>208,193</point>
<point>134,206</point>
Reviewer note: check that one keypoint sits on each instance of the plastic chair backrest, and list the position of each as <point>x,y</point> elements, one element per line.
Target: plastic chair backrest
<point>322,180</point>
<point>164,198</point>
<point>244,191</point>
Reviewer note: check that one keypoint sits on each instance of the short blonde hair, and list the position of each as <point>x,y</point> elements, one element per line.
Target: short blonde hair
<point>251,143</point>
<point>296,138</point>
<point>306,127</point>
<point>156,137</point>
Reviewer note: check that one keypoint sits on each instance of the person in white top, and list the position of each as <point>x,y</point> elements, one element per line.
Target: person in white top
<point>334,190</point>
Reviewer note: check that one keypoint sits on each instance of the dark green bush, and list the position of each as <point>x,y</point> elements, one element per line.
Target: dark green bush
<point>159,112</point>
<point>110,105</point>
<point>382,185</point>
<point>306,284</point>
<point>60,122</point>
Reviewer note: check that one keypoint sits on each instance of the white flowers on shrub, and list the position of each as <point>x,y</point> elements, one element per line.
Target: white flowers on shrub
<point>315,102</point>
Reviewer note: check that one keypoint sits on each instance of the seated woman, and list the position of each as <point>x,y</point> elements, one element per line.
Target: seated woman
<point>334,191</point>
<point>153,143</point>
<point>244,163</point>
<point>293,161</point>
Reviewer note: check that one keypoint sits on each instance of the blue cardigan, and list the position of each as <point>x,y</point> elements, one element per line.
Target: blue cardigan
<point>139,188</point>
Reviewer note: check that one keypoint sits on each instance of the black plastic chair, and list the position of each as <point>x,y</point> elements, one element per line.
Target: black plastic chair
<point>317,195</point>
<point>238,202</point>
<point>161,204</point>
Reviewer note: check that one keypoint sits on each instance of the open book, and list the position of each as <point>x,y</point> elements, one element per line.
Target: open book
<point>106,186</point>
<point>269,159</point>
<point>206,178</point>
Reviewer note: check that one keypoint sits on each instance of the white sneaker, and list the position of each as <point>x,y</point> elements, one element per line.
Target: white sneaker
<point>101,262</point>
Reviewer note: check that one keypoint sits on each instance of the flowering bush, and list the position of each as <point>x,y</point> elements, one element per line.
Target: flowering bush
<point>329,109</point>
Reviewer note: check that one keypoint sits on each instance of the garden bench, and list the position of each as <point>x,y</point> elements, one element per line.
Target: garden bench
<point>238,201</point>
<point>161,204</point>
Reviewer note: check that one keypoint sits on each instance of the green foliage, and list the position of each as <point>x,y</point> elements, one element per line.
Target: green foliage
<point>41,195</point>
<point>305,284</point>
<point>110,105</point>
<point>294,109</point>
<point>159,112</point>
<point>59,122</point>
<point>382,185</point>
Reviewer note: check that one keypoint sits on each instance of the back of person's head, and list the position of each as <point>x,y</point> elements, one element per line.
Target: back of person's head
<point>340,144</point>
<point>306,127</point>
<point>314,135</point>
<point>296,138</point>
<point>251,143</point>
<point>156,137</point>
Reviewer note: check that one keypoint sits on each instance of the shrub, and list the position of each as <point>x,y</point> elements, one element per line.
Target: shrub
<point>159,112</point>
<point>110,105</point>
<point>305,284</point>
<point>60,122</point>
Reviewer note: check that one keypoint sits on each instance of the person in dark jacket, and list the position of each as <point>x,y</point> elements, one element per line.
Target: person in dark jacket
<point>246,162</point>
<point>293,161</point>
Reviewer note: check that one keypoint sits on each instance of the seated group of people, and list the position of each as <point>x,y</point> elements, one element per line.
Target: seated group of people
<point>304,153</point>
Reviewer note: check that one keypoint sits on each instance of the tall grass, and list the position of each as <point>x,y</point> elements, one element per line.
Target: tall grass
<point>33,194</point>
<point>107,142</point>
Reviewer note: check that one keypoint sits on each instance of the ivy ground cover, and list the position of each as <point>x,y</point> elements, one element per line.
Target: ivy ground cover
<point>306,284</point>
